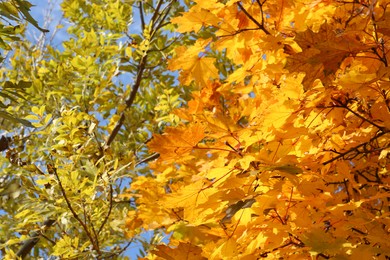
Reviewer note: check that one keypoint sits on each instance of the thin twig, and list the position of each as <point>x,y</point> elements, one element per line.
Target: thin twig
<point>239,31</point>
<point>74,212</point>
<point>261,11</point>
<point>341,155</point>
<point>148,159</point>
<point>253,19</point>
<point>165,12</point>
<point>156,12</point>
<point>30,243</point>
<point>358,115</point>
<point>141,68</point>
<point>109,210</point>
<point>87,216</point>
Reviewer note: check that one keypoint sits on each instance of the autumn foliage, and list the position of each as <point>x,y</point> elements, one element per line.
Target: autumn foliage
<point>283,151</point>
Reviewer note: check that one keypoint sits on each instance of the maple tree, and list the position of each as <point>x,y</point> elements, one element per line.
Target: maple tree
<point>283,150</point>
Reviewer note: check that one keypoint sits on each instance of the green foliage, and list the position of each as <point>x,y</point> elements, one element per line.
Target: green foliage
<point>12,14</point>
<point>91,104</point>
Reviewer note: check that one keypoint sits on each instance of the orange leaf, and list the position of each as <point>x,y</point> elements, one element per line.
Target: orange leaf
<point>176,142</point>
<point>194,20</point>
<point>322,53</point>
<point>183,251</point>
<point>193,65</point>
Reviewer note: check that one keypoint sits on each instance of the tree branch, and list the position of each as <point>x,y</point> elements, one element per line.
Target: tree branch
<point>129,101</point>
<point>261,26</point>
<point>239,31</point>
<point>354,149</point>
<point>141,14</point>
<point>35,236</point>
<point>95,246</point>
<point>148,159</point>
<point>342,105</point>
<point>141,68</point>
<point>156,11</point>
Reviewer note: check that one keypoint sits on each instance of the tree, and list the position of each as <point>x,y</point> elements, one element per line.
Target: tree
<point>283,150</point>
<point>89,108</point>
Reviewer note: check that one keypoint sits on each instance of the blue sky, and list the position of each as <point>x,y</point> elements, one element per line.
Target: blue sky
<point>49,11</point>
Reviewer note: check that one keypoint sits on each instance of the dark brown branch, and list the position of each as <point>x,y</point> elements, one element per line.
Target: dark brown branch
<point>166,11</point>
<point>163,49</point>
<point>126,246</point>
<point>289,243</point>
<point>129,100</point>
<point>117,253</point>
<point>148,159</point>
<point>253,19</point>
<point>95,246</point>
<point>35,236</point>
<point>239,31</point>
<point>354,149</point>
<point>48,239</point>
<point>137,83</point>
<point>141,68</point>
<point>156,11</point>
<point>379,41</point>
<point>87,217</point>
<point>360,116</point>
<point>261,11</point>
<point>141,14</point>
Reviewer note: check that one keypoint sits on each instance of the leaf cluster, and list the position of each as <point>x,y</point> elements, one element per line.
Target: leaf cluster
<point>285,153</point>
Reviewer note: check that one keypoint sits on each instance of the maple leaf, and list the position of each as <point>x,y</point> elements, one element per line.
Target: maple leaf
<point>232,209</point>
<point>228,249</point>
<point>384,24</point>
<point>192,65</point>
<point>195,19</point>
<point>182,251</point>
<point>322,53</point>
<point>176,142</point>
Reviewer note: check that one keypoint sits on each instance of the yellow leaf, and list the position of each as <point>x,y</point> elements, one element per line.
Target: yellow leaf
<point>192,65</point>
<point>227,250</point>
<point>195,19</point>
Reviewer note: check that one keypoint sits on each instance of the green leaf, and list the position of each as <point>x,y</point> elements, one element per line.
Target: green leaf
<point>15,120</point>
<point>24,8</point>
<point>9,10</point>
